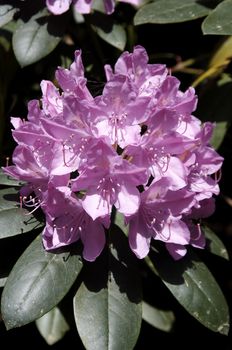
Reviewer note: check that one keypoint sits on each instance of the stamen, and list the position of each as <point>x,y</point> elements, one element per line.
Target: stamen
<point>167,163</point>
<point>32,202</point>
<point>169,230</point>
<point>7,161</point>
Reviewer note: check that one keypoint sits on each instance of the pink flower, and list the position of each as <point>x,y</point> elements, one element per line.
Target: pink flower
<point>136,147</point>
<point>121,112</point>
<point>109,180</point>
<point>57,7</point>
<point>67,222</point>
<point>159,217</point>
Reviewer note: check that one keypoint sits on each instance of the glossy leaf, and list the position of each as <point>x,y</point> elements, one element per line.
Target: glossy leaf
<point>52,326</point>
<point>6,13</point>
<point>116,37</point>
<point>214,244</point>
<point>170,11</point>
<point>220,20</point>
<point>160,319</point>
<point>108,30</point>
<point>6,180</point>
<point>36,38</point>
<point>13,219</point>
<point>108,308</point>
<point>193,285</point>
<point>37,283</point>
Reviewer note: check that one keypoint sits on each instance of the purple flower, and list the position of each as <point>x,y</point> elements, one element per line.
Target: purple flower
<point>121,112</point>
<point>159,217</point>
<point>136,147</point>
<point>146,78</point>
<point>57,7</point>
<point>109,180</point>
<point>67,222</point>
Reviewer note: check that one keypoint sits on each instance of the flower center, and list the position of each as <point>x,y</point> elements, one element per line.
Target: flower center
<point>107,189</point>
<point>117,123</point>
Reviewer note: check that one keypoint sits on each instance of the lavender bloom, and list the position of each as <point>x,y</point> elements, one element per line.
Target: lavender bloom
<point>66,222</point>
<point>136,147</point>
<point>57,7</point>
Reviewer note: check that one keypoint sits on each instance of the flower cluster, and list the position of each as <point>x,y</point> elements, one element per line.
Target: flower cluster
<point>136,147</point>
<point>57,7</point>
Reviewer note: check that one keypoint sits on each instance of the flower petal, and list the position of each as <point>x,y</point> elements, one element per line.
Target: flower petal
<point>93,239</point>
<point>139,244</point>
<point>128,200</point>
<point>177,251</point>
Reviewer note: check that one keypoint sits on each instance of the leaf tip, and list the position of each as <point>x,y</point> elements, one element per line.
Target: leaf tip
<point>10,324</point>
<point>224,328</point>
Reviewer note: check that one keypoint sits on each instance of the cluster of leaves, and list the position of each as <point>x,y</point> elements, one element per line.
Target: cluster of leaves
<point>36,32</point>
<point>107,310</point>
<point>218,14</point>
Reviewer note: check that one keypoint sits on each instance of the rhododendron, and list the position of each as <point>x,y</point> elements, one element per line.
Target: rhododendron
<point>57,7</point>
<point>136,147</point>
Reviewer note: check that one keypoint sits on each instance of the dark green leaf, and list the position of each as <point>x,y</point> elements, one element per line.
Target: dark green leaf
<point>214,244</point>
<point>52,326</point>
<point>170,11</point>
<point>6,14</point>
<point>113,33</point>
<point>115,37</point>
<point>6,180</point>
<point>36,38</point>
<point>108,308</point>
<point>13,219</point>
<point>219,134</point>
<point>220,20</point>
<point>157,318</point>
<point>192,284</point>
<point>37,283</point>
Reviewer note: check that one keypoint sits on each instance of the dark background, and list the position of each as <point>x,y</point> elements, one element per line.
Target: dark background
<point>165,44</point>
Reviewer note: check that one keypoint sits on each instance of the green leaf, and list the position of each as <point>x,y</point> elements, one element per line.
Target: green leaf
<point>37,283</point>
<point>111,32</point>
<point>192,284</point>
<point>170,11</point>
<point>108,308</point>
<point>36,38</point>
<point>2,281</point>
<point>220,20</point>
<point>214,244</point>
<point>160,319</point>
<point>14,220</point>
<point>120,222</point>
<point>219,133</point>
<point>115,37</point>
<point>6,180</point>
<point>6,14</point>
<point>52,326</point>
